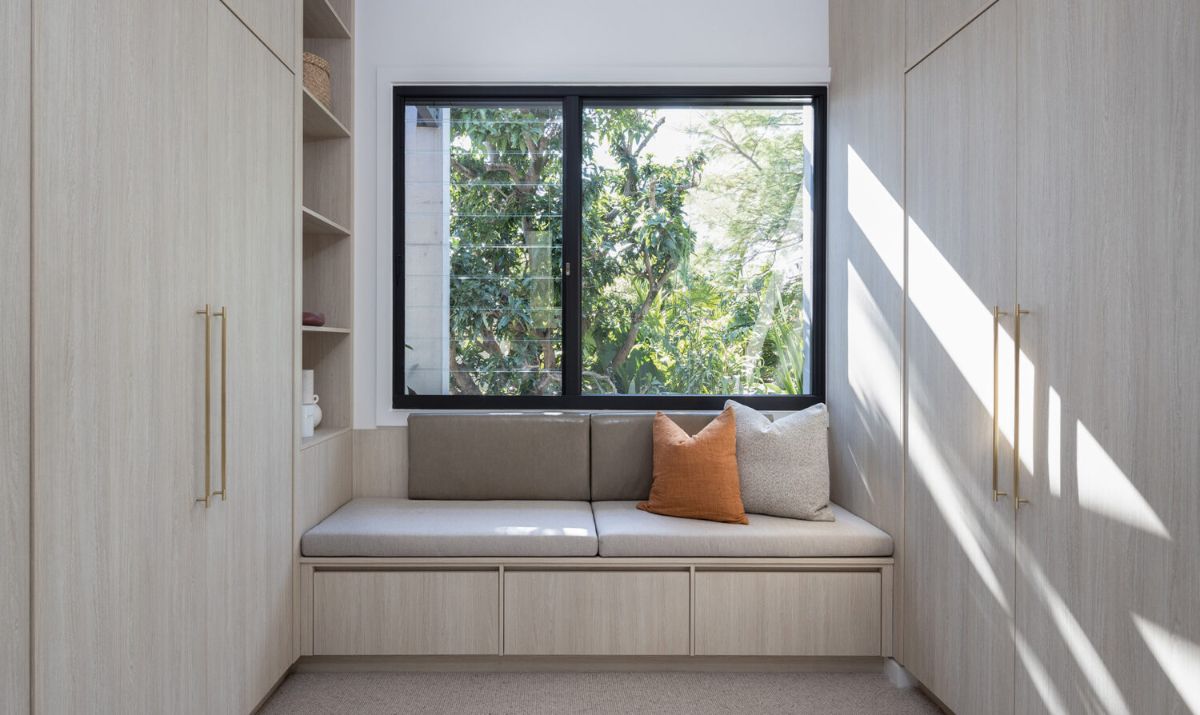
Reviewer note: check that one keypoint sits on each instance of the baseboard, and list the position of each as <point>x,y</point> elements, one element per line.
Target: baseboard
<point>899,676</point>
<point>263,700</point>
<point>508,663</point>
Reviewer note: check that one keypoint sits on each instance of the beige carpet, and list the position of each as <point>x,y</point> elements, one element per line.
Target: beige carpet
<point>587,693</point>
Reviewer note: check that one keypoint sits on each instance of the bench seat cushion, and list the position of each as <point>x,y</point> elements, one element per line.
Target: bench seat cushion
<point>625,530</point>
<point>403,527</point>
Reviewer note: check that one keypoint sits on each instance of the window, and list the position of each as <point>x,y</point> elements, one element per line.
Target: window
<point>592,248</point>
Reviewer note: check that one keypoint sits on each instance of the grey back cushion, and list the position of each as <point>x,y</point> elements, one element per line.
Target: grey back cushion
<point>521,456</point>
<point>623,451</point>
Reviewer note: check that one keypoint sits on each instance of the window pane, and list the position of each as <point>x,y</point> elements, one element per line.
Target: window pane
<point>483,249</point>
<point>697,250</point>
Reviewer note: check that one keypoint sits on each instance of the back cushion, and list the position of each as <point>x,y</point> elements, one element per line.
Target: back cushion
<point>623,451</point>
<point>523,456</point>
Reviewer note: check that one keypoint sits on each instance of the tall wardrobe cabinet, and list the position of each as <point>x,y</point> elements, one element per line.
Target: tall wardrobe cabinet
<point>162,391</point>
<point>1052,505</point>
<point>960,183</point>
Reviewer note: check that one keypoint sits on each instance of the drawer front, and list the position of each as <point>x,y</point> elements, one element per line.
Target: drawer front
<point>781,613</point>
<point>596,612</point>
<point>406,613</point>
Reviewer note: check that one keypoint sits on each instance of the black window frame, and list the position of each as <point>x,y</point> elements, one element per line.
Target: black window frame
<point>573,99</point>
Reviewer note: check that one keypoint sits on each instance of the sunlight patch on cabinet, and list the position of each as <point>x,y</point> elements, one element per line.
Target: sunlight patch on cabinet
<point>1177,656</point>
<point>1104,488</point>
<point>877,214</point>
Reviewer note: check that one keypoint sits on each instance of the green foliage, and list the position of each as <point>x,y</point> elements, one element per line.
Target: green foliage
<point>663,312</point>
<point>506,249</point>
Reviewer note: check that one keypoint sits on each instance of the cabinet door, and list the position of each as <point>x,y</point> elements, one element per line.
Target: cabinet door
<point>272,21</point>
<point>14,357</point>
<point>118,273</point>
<point>928,22</point>
<point>960,180</point>
<point>250,223</point>
<point>1109,265</point>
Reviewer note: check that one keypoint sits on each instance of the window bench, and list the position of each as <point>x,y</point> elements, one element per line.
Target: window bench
<point>467,573</point>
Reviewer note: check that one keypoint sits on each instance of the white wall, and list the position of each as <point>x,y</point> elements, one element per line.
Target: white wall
<point>540,42</point>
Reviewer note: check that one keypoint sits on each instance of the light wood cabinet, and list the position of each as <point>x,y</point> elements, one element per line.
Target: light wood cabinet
<point>960,184</point>
<point>274,22</point>
<point>865,260</point>
<point>15,18</point>
<point>1109,268</point>
<point>1075,199</point>
<point>596,612</point>
<point>164,181</point>
<point>928,23</point>
<point>788,613</point>
<point>119,248</point>
<point>406,612</point>
<point>251,215</point>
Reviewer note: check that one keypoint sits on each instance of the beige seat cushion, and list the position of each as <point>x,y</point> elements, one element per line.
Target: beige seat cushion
<point>625,530</point>
<point>403,527</point>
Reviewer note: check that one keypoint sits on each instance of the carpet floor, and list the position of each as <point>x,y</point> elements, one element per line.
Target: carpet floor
<point>588,693</point>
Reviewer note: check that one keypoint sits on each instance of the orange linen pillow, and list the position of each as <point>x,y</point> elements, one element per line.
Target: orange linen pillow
<point>696,477</point>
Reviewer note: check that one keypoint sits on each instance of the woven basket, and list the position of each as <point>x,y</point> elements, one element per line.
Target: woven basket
<point>316,78</point>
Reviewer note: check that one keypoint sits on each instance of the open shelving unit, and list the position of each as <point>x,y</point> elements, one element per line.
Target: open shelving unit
<point>327,220</point>
<point>320,123</point>
<point>321,20</point>
<point>314,224</point>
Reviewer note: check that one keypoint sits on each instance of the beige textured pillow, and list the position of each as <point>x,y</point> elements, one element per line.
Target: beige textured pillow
<point>784,465</point>
<point>696,477</point>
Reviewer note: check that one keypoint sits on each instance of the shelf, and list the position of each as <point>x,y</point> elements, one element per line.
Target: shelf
<point>319,122</point>
<point>324,329</point>
<point>322,21</point>
<point>317,225</point>
<point>320,435</point>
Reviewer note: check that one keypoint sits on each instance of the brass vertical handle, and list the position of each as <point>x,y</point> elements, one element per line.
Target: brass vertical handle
<point>223,314</point>
<point>207,313</point>
<point>1017,500</point>
<point>996,493</point>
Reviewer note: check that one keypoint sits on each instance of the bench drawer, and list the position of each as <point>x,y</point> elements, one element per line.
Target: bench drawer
<point>596,612</point>
<point>788,613</point>
<point>406,612</point>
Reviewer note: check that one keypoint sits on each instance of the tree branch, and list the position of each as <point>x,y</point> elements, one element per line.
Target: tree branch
<point>728,139</point>
<point>459,166</point>
<point>646,139</point>
<point>639,314</point>
<point>462,378</point>
<point>506,168</point>
<point>490,342</point>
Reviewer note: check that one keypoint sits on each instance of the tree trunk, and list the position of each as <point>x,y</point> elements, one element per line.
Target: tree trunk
<point>639,314</point>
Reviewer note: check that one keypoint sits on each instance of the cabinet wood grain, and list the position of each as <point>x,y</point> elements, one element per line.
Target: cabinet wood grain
<point>960,187</point>
<point>14,356</point>
<point>406,613</point>
<point>118,272</point>
<point>251,150</point>
<point>865,281</point>
<point>928,23</point>
<point>325,481</point>
<point>780,613</point>
<point>381,462</point>
<point>596,613</point>
<point>275,22</point>
<point>1109,266</point>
